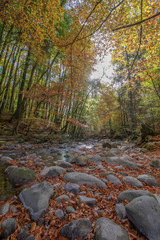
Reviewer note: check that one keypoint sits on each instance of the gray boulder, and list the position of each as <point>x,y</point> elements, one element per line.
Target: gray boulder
<point>144,214</point>
<point>59,214</point>
<point>120,211</point>
<point>105,229</point>
<point>113,179</point>
<point>8,227</point>
<point>62,198</point>
<point>4,209</point>
<point>80,160</point>
<point>19,176</point>
<point>131,194</point>
<point>70,209</point>
<point>133,181</point>
<point>64,164</point>
<point>148,179</point>
<point>76,229</point>
<point>121,161</point>
<point>5,160</point>
<point>155,163</point>
<point>52,171</point>
<point>82,178</point>
<point>113,152</point>
<point>72,187</point>
<point>36,199</point>
<point>89,201</point>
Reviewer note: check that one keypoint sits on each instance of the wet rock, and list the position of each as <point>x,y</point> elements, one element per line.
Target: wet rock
<point>120,211</point>
<point>89,201</point>
<point>70,209</point>
<point>72,187</point>
<point>4,209</point>
<point>59,213</point>
<point>148,179</point>
<point>36,199</point>
<point>19,176</point>
<point>52,171</point>
<point>133,181</point>
<point>62,198</point>
<point>121,161</point>
<point>8,227</point>
<point>144,214</point>
<point>114,180</point>
<point>155,163</point>
<point>76,229</point>
<point>82,178</point>
<point>108,230</point>
<point>5,160</point>
<point>131,194</point>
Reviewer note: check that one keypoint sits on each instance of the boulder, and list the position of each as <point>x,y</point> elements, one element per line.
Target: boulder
<point>89,201</point>
<point>121,161</point>
<point>113,152</point>
<point>83,178</point>
<point>62,198</point>
<point>155,163</point>
<point>148,179</point>
<point>52,171</point>
<point>105,229</point>
<point>70,209</point>
<point>36,199</point>
<point>72,187</point>
<point>76,229</point>
<point>5,160</point>
<point>59,214</point>
<point>133,181</point>
<point>19,176</point>
<point>8,227</point>
<point>113,179</point>
<point>4,209</point>
<point>120,211</point>
<point>144,214</point>
<point>129,195</point>
<point>64,164</point>
<point>80,160</point>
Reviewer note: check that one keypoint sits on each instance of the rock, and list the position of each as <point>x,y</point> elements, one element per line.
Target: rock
<point>97,159</point>
<point>82,178</point>
<point>105,229</point>
<point>62,198</point>
<point>133,181</point>
<point>5,160</point>
<point>36,199</point>
<point>64,164</point>
<point>113,152</point>
<point>4,209</point>
<point>114,180</point>
<point>120,211</point>
<point>89,201</point>
<point>148,179</point>
<point>70,209</point>
<point>72,187</point>
<point>131,194</point>
<point>59,213</point>
<point>30,237</point>
<point>8,227</point>
<point>144,214</point>
<point>155,163</point>
<point>106,145</point>
<point>80,160</point>
<point>121,161</point>
<point>76,229</point>
<point>19,176</point>
<point>53,171</point>
<point>23,234</point>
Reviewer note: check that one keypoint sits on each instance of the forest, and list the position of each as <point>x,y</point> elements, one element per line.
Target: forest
<point>79,154</point>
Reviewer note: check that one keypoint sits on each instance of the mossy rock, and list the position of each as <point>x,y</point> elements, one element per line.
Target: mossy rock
<point>150,146</point>
<point>19,176</point>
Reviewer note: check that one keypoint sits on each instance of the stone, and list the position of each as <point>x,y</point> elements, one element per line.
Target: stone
<point>133,181</point>
<point>64,164</point>
<point>53,171</point>
<point>83,178</point>
<point>106,145</point>
<point>62,198</point>
<point>155,163</point>
<point>144,212</point>
<point>105,229</point>
<point>59,214</point>
<point>120,211</point>
<point>4,209</point>
<point>70,209</point>
<point>72,187</point>
<point>129,195</point>
<point>121,161</point>
<point>5,160</point>
<point>23,234</point>
<point>36,199</point>
<point>19,176</point>
<point>89,201</point>
<point>8,227</point>
<point>113,179</point>
<point>80,160</point>
<point>148,179</point>
<point>76,229</point>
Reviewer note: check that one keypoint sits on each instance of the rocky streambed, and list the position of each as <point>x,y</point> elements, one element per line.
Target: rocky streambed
<point>87,190</point>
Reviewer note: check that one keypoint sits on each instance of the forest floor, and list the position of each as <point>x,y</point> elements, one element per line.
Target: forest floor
<point>91,157</point>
